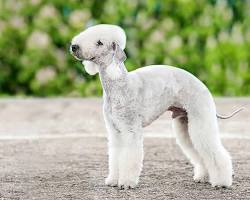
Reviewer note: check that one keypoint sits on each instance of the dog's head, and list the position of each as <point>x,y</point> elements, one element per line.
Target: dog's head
<point>98,46</point>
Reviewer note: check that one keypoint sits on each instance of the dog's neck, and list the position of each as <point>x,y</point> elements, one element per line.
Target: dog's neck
<point>114,78</point>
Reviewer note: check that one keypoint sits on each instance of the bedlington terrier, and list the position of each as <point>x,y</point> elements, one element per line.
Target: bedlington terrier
<point>133,100</point>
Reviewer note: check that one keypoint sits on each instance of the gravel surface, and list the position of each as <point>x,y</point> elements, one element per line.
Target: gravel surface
<point>76,168</point>
<point>57,149</point>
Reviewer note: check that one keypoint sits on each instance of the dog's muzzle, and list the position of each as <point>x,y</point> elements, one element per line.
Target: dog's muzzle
<point>76,51</point>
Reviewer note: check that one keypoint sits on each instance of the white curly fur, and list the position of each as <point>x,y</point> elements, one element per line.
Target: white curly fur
<point>132,100</point>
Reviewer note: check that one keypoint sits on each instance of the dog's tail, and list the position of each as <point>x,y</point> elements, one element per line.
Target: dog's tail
<point>229,116</point>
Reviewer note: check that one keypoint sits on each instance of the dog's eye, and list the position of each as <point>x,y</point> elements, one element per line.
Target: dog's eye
<point>99,43</point>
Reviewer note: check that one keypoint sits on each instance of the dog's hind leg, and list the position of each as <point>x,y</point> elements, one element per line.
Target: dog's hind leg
<point>204,134</point>
<point>180,127</point>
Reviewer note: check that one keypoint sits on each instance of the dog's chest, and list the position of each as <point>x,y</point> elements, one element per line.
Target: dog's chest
<point>120,111</point>
<point>119,106</point>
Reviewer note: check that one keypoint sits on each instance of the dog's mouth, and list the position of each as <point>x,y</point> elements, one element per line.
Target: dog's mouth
<point>76,56</point>
<point>83,59</point>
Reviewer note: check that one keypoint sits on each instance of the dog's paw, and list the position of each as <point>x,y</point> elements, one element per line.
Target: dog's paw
<point>127,184</point>
<point>111,182</point>
<point>224,182</point>
<point>200,174</point>
<point>200,179</point>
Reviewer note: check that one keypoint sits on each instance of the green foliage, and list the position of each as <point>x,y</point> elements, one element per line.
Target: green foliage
<point>210,39</point>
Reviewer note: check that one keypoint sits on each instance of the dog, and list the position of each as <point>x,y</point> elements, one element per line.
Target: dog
<point>133,100</point>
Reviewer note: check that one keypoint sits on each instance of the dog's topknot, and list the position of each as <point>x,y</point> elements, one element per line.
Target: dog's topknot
<point>110,32</point>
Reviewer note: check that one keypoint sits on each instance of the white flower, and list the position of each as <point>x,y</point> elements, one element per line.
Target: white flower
<point>39,40</point>
<point>64,30</point>
<point>211,42</point>
<point>175,42</point>
<point>48,11</point>
<point>223,36</point>
<point>78,18</point>
<point>144,21</point>
<point>17,22</point>
<point>44,75</point>
<point>35,2</point>
<point>236,34</point>
<point>167,25</point>
<point>223,9</point>
<point>157,36</point>
<point>14,5</point>
<point>205,20</point>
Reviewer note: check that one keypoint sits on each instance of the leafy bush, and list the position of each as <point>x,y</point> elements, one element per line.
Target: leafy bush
<point>211,39</point>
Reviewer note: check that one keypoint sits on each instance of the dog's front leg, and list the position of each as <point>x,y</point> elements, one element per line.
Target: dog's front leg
<point>130,159</point>
<point>113,153</point>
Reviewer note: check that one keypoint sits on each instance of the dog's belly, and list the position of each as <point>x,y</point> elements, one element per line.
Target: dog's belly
<point>176,113</point>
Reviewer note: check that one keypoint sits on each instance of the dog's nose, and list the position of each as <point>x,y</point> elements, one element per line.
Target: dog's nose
<point>74,47</point>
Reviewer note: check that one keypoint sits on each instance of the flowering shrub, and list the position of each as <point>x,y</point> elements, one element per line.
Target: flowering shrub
<point>210,39</point>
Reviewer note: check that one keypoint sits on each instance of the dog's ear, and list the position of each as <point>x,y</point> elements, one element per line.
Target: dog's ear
<point>119,53</point>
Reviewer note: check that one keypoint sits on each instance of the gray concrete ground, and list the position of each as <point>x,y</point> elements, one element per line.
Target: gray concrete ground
<point>56,149</point>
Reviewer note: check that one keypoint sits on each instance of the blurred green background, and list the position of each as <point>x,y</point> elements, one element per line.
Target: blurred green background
<point>209,38</point>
